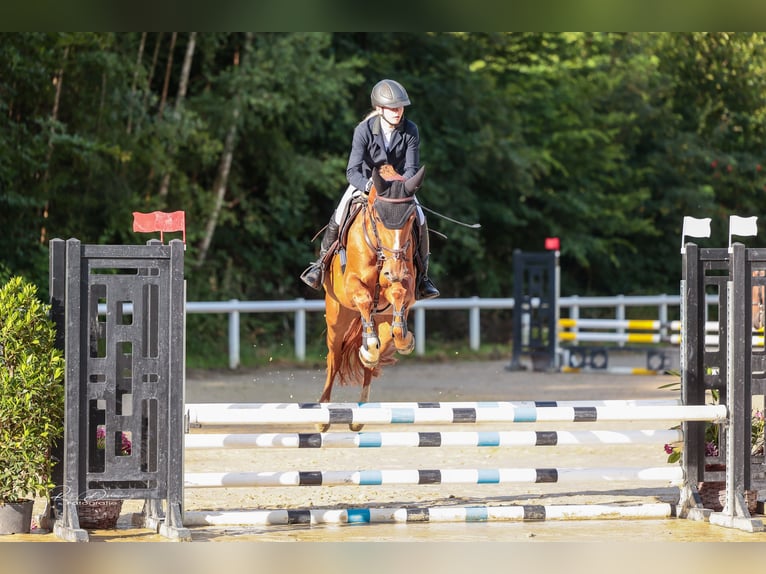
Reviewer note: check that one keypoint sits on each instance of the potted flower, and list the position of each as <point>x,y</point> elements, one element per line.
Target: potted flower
<point>103,514</point>
<point>675,450</point>
<point>31,402</point>
<point>713,492</point>
<point>125,444</point>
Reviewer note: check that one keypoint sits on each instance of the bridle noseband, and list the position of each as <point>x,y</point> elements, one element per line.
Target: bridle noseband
<point>381,252</point>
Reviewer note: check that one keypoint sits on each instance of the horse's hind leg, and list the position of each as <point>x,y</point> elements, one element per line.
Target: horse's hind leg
<point>327,392</point>
<point>363,397</point>
<point>335,331</point>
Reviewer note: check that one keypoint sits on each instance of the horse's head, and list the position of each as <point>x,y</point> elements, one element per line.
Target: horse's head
<point>393,210</point>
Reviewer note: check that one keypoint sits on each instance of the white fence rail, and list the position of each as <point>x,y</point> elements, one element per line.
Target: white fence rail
<point>474,305</point>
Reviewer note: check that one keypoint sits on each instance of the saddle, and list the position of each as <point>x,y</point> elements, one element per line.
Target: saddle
<point>355,206</point>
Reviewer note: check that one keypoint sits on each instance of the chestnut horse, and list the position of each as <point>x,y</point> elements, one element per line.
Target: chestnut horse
<point>370,286</point>
<point>758,302</point>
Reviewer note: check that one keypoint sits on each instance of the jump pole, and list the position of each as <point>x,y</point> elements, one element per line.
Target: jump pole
<point>430,439</point>
<point>671,475</point>
<point>329,413</point>
<point>434,514</point>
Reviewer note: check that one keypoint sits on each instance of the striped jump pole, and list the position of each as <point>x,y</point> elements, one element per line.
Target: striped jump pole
<point>430,439</point>
<point>635,324</point>
<point>671,475</point>
<point>606,337</point>
<point>382,515</point>
<point>442,413</point>
<point>447,404</point>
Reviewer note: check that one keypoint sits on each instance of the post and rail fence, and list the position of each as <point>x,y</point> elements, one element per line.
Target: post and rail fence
<point>572,328</point>
<point>666,306</point>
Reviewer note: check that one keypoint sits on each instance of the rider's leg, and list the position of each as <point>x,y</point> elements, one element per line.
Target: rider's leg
<point>425,289</point>
<point>314,273</point>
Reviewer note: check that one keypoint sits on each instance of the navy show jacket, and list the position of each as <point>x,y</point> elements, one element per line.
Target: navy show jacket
<point>368,150</point>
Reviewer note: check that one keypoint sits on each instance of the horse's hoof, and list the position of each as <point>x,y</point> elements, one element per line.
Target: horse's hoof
<point>407,349</point>
<point>323,428</point>
<point>369,360</point>
<point>356,427</point>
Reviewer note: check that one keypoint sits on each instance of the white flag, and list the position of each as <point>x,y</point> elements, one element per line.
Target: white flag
<point>694,227</point>
<point>744,226</point>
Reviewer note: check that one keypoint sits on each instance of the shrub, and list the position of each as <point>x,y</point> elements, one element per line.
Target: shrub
<point>31,392</point>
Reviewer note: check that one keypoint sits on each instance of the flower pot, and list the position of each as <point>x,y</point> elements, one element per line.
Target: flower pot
<point>98,514</point>
<point>713,494</point>
<point>16,517</point>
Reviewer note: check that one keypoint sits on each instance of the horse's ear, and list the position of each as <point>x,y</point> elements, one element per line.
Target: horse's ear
<point>377,181</point>
<point>413,184</point>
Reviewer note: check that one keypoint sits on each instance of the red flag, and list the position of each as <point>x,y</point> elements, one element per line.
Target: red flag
<point>160,221</point>
<point>552,243</point>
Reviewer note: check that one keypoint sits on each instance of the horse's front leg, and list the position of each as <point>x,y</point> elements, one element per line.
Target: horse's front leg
<point>403,339</point>
<point>369,351</point>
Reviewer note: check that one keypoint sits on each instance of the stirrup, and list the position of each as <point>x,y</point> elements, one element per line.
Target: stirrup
<point>427,290</point>
<point>313,276</point>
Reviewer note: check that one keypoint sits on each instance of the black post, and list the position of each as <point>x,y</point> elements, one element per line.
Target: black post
<point>738,383</point>
<point>57,295</point>
<point>692,359</point>
<point>535,309</point>
<point>124,347</point>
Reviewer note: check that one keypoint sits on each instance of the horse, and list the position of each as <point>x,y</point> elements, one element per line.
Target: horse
<point>370,286</point>
<point>757,297</point>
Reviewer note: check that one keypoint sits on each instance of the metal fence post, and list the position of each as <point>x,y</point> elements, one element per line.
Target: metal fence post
<point>300,332</point>
<point>233,336</point>
<point>420,331</point>
<point>621,316</point>
<point>474,327</point>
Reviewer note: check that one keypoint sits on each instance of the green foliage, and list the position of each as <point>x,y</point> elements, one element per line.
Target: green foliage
<point>31,392</point>
<point>605,140</point>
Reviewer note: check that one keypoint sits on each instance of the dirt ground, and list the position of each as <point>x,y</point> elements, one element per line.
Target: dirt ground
<point>418,381</point>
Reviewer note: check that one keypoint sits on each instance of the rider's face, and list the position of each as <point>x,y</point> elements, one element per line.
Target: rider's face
<point>392,115</point>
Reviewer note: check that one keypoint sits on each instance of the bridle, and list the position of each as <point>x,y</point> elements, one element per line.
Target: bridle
<point>380,249</point>
<point>383,253</point>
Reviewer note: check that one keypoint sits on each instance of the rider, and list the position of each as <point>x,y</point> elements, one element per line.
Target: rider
<point>385,136</point>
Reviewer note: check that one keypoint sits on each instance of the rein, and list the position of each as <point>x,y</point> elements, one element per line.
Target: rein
<point>378,248</point>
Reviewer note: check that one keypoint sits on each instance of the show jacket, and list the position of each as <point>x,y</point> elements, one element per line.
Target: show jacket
<point>368,150</point>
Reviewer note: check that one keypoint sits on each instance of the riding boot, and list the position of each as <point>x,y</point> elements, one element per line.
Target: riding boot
<point>425,287</point>
<point>313,276</point>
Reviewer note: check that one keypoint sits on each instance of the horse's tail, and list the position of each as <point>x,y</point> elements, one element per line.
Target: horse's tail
<point>351,369</point>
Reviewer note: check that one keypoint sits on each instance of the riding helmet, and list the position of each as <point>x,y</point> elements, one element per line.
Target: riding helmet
<point>389,94</point>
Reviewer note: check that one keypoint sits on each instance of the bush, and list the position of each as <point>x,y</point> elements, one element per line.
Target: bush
<point>31,392</point>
